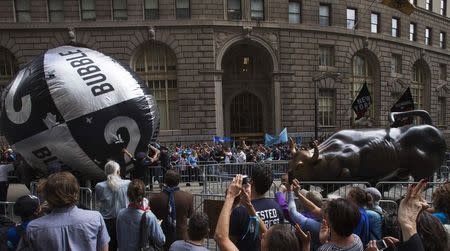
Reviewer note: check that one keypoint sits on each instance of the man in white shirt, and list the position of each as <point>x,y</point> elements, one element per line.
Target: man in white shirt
<point>240,156</point>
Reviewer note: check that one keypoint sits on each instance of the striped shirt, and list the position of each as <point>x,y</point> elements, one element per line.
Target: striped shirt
<point>355,246</point>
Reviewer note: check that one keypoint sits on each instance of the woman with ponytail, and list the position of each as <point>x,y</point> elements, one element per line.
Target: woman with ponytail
<point>361,199</point>
<point>111,195</point>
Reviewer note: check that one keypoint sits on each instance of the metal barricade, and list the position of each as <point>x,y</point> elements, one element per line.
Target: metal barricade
<point>333,188</point>
<point>33,187</point>
<point>389,206</point>
<point>7,209</point>
<point>393,190</point>
<point>86,198</point>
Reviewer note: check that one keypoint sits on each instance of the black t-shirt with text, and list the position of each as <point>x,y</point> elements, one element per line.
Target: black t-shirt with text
<point>267,209</point>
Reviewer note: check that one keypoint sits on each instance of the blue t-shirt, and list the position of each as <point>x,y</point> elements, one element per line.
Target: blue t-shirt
<point>442,217</point>
<point>362,230</point>
<point>267,209</point>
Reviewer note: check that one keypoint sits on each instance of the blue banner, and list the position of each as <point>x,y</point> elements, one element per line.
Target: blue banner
<point>218,139</point>
<point>273,140</point>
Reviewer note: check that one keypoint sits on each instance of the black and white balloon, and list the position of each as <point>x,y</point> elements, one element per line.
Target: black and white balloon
<point>76,107</point>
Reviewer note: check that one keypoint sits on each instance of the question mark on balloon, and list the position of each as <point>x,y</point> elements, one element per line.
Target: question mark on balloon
<point>112,136</point>
<point>21,116</point>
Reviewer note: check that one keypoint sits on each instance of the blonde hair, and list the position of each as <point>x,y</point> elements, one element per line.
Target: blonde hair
<point>112,173</point>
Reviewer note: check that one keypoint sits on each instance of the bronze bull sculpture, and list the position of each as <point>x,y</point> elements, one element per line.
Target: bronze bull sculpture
<point>374,155</point>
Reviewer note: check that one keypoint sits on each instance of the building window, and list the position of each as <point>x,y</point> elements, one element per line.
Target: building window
<point>22,8</point>
<point>362,73</point>
<point>257,9</point>
<point>442,40</point>
<point>412,32</point>
<point>374,22</point>
<point>351,18</point>
<point>294,12</point>
<point>417,85</point>
<point>327,100</point>
<point>428,36</point>
<point>151,9</point>
<point>396,63</point>
<point>8,67</point>
<point>234,10</point>
<point>156,64</point>
<point>120,10</point>
<point>441,111</point>
<point>183,9</point>
<point>443,72</point>
<point>324,15</point>
<point>326,55</point>
<point>443,8</point>
<point>87,8</point>
<point>395,27</point>
<point>429,5</point>
<point>55,10</point>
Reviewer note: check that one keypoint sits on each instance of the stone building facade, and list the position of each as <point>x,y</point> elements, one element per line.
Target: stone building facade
<point>243,68</point>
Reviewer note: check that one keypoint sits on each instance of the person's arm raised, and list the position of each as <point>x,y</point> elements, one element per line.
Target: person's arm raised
<point>309,206</point>
<point>245,200</point>
<point>410,208</point>
<point>223,223</point>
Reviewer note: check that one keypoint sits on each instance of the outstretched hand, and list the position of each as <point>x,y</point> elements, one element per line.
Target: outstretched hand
<point>304,237</point>
<point>235,187</point>
<point>410,208</point>
<point>296,186</point>
<point>324,232</point>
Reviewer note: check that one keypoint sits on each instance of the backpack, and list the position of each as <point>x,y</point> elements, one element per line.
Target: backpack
<point>5,224</point>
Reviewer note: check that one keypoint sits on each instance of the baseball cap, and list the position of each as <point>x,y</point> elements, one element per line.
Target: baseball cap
<point>26,205</point>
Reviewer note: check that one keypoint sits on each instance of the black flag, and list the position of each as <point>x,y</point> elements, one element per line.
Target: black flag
<point>362,102</point>
<point>404,103</point>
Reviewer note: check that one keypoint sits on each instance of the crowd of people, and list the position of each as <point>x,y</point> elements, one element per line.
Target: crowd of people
<point>129,219</point>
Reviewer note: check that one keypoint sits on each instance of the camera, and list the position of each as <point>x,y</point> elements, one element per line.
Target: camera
<point>381,245</point>
<point>245,179</point>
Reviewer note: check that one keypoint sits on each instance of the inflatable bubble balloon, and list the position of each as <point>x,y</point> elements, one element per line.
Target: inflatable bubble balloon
<point>75,108</point>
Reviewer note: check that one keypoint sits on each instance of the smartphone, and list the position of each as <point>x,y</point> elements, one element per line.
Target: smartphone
<point>244,179</point>
<point>290,176</point>
<point>381,245</point>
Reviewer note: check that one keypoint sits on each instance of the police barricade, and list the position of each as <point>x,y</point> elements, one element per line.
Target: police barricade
<point>390,207</point>
<point>7,209</point>
<point>394,190</point>
<point>33,187</point>
<point>333,188</point>
<point>86,198</point>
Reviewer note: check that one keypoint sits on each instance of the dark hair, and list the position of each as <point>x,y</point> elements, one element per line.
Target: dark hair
<point>281,238</point>
<point>441,199</point>
<point>198,226</point>
<point>61,190</point>
<point>361,197</point>
<point>433,235</point>
<point>343,216</point>
<point>262,179</point>
<point>172,178</point>
<point>136,191</point>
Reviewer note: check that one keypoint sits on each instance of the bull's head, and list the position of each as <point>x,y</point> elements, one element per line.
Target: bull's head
<point>302,161</point>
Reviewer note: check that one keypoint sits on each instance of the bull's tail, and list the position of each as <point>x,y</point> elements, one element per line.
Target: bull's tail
<point>426,118</point>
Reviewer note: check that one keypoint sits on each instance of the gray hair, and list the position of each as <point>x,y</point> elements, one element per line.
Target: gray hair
<point>112,169</point>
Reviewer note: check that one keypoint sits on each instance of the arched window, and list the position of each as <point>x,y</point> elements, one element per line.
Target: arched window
<point>156,64</point>
<point>8,67</point>
<point>418,85</point>
<point>363,73</point>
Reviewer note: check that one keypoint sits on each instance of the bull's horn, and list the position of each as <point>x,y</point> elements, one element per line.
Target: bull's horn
<point>421,113</point>
<point>315,156</point>
<point>292,146</point>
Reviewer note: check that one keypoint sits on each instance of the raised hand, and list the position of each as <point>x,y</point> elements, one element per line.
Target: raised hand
<point>304,237</point>
<point>235,187</point>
